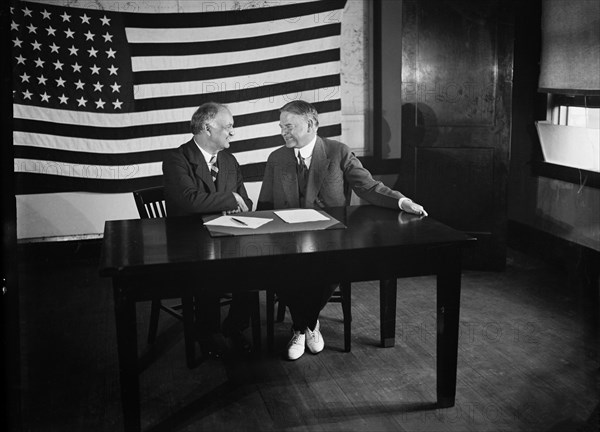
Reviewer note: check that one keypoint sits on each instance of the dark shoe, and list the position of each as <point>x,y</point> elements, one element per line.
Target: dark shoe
<point>210,347</point>
<point>240,343</point>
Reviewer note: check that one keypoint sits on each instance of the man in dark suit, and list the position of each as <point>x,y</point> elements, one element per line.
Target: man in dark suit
<point>313,172</point>
<point>200,178</point>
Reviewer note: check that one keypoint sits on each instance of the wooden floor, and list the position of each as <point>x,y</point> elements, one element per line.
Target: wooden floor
<point>526,362</point>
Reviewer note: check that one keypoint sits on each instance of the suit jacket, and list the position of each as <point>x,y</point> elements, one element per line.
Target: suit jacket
<point>189,187</point>
<point>333,173</point>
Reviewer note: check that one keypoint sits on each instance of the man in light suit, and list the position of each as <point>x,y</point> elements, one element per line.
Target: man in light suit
<point>200,178</point>
<point>313,172</point>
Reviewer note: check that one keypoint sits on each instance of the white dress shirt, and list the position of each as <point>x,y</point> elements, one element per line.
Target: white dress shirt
<point>306,152</point>
<point>207,156</point>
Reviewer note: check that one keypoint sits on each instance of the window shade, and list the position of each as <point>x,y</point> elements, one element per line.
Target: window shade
<point>570,58</point>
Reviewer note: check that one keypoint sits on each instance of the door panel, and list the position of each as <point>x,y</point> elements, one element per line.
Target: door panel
<point>465,185</point>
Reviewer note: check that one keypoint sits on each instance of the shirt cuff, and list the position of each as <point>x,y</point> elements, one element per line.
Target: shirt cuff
<point>401,200</point>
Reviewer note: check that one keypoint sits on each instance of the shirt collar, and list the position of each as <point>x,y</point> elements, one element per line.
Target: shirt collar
<point>206,154</point>
<point>307,151</point>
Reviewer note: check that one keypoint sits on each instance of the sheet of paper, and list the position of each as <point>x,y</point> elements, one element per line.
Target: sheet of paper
<point>300,215</point>
<point>238,221</point>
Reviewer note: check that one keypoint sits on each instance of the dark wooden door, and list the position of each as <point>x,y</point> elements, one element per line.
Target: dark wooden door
<point>457,59</point>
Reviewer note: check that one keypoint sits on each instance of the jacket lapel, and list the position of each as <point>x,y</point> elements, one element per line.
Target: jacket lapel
<point>223,172</point>
<point>199,165</point>
<point>289,178</point>
<point>319,167</point>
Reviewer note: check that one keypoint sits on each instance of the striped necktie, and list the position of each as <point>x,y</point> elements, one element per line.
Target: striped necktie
<point>214,170</point>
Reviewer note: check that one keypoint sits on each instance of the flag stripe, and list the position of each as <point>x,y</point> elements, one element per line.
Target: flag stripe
<point>240,81</point>
<point>296,87</point>
<point>169,35</point>
<point>41,132</point>
<point>147,156</point>
<point>247,112</point>
<point>290,40</point>
<point>238,69</point>
<point>287,13</point>
<point>32,183</point>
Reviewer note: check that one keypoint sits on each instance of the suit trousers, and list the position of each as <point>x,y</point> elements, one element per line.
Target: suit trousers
<point>237,320</point>
<point>306,303</point>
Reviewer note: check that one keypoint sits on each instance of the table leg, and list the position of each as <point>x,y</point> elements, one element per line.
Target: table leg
<point>189,333</point>
<point>270,319</point>
<point>255,321</point>
<point>448,308</point>
<point>387,308</point>
<point>125,320</point>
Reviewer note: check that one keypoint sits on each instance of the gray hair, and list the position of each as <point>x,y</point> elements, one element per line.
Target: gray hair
<point>302,108</point>
<point>204,115</point>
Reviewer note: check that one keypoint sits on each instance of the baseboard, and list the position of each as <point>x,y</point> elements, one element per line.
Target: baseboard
<point>87,249</point>
<point>554,250</point>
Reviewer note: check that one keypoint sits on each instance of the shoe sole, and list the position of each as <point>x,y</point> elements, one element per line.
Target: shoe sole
<point>294,358</point>
<point>316,352</point>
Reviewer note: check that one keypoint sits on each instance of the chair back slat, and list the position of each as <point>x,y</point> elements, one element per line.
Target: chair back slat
<point>150,202</point>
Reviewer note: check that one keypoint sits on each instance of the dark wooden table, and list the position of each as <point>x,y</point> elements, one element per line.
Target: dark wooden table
<point>176,257</point>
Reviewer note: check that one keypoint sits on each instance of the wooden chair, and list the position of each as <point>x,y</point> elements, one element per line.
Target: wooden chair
<point>340,295</point>
<point>150,204</point>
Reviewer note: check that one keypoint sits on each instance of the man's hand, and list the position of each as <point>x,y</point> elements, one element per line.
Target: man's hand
<point>414,208</point>
<point>242,207</point>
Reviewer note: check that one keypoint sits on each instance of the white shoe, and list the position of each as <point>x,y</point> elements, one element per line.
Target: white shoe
<point>314,339</point>
<point>295,347</point>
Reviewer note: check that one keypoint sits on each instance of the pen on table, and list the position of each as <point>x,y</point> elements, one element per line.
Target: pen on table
<point>239,221</point>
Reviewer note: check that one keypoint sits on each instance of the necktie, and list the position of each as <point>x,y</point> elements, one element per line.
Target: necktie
<point>302,174</point>
<point>214,170</point>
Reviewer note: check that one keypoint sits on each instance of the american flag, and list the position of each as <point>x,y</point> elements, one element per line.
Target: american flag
<point>99,96</point>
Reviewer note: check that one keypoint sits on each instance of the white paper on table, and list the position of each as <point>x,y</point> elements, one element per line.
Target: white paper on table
<point>300,215</point>
<point>229,221</point>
